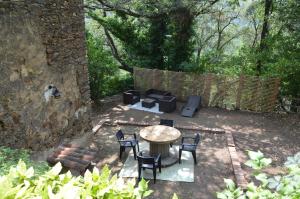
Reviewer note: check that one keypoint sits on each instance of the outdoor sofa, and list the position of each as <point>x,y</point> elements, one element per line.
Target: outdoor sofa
<point>156,94</point>
<point>167,104</point>
<point>131,97</point>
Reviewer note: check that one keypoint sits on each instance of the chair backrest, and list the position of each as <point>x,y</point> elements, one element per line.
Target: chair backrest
<point>197,139</point>
<point>167,122</point>
<point>120,135</point>
<point>145,159</point>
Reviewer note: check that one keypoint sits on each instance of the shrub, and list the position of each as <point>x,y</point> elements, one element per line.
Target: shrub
<point>274,187</point>
<point>21,182</point>
<point>104,74</point>
<point>10,157</point>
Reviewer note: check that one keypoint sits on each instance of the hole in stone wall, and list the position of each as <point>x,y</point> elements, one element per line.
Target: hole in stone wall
<point>2,125</point>
<point>51,91</point>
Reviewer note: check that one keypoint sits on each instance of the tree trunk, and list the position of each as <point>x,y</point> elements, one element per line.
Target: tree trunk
<point>198,56</point>
<point>182,21</point>
<point>256,32</point>
<point>157,34</point>
<point>115,53</point>
<point>264,34</point>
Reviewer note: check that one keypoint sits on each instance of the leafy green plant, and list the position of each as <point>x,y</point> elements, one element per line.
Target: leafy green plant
<point>10,157</point>
<point>105,77</point>
<point>21,182</point>
<point>257,160</point>
<point>286,186</point>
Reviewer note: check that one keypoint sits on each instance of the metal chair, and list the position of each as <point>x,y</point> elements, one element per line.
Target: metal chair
<point>127,143</point>
<point>148,162</point>
<point>191,147</point>
<point>166,122</point>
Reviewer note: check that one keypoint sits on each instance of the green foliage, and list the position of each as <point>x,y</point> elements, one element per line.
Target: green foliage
<point>132,35</point>
<point>231,191</point>
<point>274,187</point>
<point>157,37</point>
<point>105,76</point>
<point>179,45</point>
<point>225,39</point>
<point>21,182</point>
<point>10,157</point>
<point>257,160</point>
<point>163,42</point>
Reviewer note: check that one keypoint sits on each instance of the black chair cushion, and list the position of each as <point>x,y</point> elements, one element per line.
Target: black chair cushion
<point>156,96</point>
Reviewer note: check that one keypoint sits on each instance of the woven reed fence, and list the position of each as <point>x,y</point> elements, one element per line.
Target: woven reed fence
<point>253,93</point>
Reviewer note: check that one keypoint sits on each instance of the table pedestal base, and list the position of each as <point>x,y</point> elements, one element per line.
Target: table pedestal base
<point>171,159</point>
<point>163,149</point>
<point>169,155</point>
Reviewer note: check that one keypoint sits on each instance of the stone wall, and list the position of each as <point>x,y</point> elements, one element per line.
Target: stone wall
<point>42,43</point>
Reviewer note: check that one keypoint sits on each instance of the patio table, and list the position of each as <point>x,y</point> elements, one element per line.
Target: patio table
<point>159,138</point>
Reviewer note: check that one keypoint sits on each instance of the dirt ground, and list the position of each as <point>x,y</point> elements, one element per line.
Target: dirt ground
<point>277,136</point>
<point>213,164</point>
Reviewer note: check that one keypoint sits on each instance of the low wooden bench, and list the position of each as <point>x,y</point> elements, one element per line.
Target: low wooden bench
<point>73,157</point>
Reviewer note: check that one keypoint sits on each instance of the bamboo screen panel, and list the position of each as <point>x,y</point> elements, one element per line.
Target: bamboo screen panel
<point>230,92</point>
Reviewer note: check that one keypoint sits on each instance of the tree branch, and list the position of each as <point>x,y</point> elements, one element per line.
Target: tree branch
<point>229,40</point>
<point>114,50</point>
<point>127,11</point>
<point>205,9</point>
<point>221,29</point>
<point>256,32</point>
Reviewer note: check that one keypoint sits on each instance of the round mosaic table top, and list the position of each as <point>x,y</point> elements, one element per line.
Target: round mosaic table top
<point>160,134</point>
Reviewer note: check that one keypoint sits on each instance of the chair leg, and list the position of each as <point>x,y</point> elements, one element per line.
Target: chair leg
<point>138,146</point>
<point>180,151</point>
<point>140,170</point>
<point>134,152</point>
<point>121,151</point>
<point>159,165</point>
<point>194,156</point>
<point>154,174</point>
<point>171,144</point>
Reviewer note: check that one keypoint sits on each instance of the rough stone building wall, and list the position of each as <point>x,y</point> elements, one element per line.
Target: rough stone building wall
<point>42,42</point>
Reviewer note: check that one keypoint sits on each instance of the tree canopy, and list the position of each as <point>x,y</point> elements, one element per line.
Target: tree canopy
<point>258,37</point>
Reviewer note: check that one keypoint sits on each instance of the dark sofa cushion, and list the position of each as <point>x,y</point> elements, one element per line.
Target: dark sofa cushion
<point>156,96</point>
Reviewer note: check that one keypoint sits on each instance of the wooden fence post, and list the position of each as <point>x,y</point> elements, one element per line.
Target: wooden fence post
<point>239,92</point>
<point>207,89</point>
<point>275,94</point>
<point>134,78</point>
